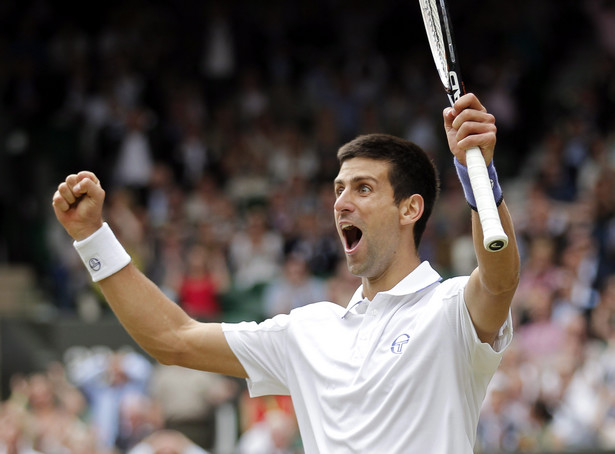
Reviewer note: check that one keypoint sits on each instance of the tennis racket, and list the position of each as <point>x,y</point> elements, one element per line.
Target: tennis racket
<point>440,35</point>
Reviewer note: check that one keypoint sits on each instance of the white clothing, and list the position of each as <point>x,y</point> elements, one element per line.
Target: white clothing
<point>403,373</point>
<point>134,162</point>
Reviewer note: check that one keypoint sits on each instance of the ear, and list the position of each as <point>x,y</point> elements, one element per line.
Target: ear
<point>411,209</point>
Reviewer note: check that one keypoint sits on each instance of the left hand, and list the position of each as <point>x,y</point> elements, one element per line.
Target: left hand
<point>468,124</point>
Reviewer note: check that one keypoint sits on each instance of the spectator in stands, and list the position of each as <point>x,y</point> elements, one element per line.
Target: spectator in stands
<point>205,278</point>
<point>541,336</point>
<point>191,408</point>
<point>108,379</point>
<point>603,315</point>
<point>256,252</point>
<point>14,436</point>
<point>275,434</point>
<point>295,287</point>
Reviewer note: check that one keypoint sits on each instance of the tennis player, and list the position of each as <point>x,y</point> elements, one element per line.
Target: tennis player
<point>404,366</point>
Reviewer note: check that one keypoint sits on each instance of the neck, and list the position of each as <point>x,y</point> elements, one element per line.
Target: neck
<point>388,279</point>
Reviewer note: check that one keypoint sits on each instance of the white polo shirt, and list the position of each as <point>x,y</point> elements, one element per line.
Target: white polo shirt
<point>403,373</point>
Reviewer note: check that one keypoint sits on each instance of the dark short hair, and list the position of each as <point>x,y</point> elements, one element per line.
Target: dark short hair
<point>411,170</point>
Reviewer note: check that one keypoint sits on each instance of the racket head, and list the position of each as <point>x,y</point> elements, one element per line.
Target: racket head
<point>442,44</point>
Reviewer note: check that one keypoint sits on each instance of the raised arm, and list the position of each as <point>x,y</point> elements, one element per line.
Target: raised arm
<point>493,283</point>
<point>155,322</point>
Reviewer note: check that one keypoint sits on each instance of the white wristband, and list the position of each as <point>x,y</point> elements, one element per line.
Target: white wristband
<point>102,253</point>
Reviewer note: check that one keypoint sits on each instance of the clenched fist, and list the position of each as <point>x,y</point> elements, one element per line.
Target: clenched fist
<point>78,204</point>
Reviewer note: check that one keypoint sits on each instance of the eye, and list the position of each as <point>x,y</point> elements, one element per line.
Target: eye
<point>365,189</point>
<point>338,191</point>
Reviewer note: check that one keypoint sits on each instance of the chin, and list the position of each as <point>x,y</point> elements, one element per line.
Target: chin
<point>355,268</point>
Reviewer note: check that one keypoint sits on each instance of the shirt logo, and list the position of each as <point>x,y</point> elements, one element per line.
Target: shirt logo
<point>398,344</point>
<point>94,264</point>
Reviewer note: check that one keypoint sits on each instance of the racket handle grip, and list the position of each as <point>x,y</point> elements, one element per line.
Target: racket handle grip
<point>494,238</point>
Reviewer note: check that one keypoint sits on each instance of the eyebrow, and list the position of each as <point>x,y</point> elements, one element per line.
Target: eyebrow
<point>355,179</point>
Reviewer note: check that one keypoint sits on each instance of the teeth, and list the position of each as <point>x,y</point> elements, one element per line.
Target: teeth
<point>347,227</point>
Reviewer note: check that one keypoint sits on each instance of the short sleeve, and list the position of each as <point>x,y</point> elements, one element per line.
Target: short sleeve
<point>484,357</point>
<point>261,349</point>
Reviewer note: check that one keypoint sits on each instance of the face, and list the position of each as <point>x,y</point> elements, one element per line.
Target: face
<point>366,217</point>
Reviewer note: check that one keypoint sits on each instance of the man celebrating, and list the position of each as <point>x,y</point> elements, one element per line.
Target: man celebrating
<point>404,367</point>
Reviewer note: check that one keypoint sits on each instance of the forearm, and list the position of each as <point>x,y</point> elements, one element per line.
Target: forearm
<point>498,271</point>
<point>152,319</point>
<point>148,315</point>
<point>163,329</point>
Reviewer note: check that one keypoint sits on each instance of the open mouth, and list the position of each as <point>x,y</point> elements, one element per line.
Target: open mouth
<point>352,235</point>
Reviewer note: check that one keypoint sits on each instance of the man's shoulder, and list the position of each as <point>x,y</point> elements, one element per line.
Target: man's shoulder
<point>320,309</point>
<point>455,281</point>
<point>450,287</point>
<point>315,317</point>
<point>298,317</point>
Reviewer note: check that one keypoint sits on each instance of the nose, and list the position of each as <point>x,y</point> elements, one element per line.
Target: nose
<point>343,202</point>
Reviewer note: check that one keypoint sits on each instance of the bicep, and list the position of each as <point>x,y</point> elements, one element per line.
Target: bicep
<point>205,348</point>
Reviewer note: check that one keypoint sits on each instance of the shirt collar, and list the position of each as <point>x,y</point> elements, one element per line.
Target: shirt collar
<point>420,278</point>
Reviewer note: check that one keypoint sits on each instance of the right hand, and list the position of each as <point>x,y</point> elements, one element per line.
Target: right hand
<point>78,204</point>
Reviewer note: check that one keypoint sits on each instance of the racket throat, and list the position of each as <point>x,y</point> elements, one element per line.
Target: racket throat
<point>455,88</point>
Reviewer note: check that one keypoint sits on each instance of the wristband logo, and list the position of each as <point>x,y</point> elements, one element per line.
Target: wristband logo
<point>95,264</point>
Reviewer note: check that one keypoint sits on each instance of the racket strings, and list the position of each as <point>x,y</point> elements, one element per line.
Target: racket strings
<point>431,16</point>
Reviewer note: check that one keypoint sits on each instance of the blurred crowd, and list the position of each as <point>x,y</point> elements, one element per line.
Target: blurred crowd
<point>103,401</point>
<point>213,127</point>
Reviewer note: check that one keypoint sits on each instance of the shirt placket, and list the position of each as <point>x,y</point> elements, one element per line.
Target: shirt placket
<point>368,326</point>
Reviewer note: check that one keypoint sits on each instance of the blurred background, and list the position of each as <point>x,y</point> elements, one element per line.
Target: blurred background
<point>214,126</point>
